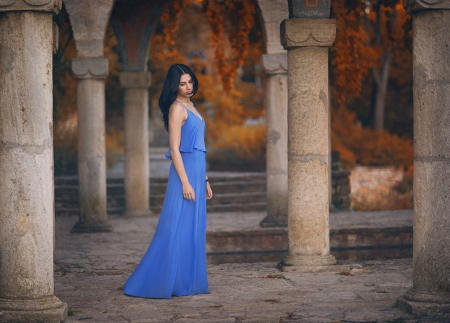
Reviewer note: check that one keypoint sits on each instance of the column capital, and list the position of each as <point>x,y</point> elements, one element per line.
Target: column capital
<point>135,80</point>
<point>31,5</point>
<point>305,32</point>
<point>90,67</point>
<point>275,63</point>
<point>417,5</point>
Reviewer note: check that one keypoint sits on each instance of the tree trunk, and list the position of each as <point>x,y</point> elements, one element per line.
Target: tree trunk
<point>381,76</point>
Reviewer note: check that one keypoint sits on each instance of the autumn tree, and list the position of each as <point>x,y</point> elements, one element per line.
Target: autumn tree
<point>370,35</point>
<point>230,42</point>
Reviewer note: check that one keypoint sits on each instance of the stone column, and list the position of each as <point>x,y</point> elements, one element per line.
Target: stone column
<point>308,42</point>
<point>275,66</point>
<point>26,164</point>
<point>91,74</point>
<point>137,198</point>
<point>430,293</point>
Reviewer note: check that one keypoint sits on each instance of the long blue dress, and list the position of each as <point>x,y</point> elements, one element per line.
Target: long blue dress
<point>175,262</point>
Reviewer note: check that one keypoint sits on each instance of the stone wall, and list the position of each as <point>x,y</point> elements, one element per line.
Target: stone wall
<point>340,185</point>
<point>379,188</point>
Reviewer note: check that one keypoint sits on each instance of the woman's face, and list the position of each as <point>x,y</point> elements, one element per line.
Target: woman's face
<point>186,86</point>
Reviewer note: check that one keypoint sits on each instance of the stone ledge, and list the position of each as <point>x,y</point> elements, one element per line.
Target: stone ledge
<point>135,80</point>
<point>416,5</point>
<point>305,32</point>
<point>31,5</point>
<point>275,63</point>
<point>276,239</point>
<point>90,67</point>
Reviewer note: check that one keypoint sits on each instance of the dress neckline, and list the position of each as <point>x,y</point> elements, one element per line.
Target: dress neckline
<point>198,116</point>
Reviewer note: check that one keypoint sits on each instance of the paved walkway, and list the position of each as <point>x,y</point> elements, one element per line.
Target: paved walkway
<point>92,268</point>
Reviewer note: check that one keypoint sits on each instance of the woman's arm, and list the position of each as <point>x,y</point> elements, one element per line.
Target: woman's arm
<point>177,117</point>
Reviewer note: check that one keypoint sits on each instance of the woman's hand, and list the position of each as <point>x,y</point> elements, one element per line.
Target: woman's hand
<point>188,192</point>
<point>209,193</point>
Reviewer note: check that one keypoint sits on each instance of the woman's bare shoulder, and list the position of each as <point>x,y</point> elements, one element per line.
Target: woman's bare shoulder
<point>177,109</point>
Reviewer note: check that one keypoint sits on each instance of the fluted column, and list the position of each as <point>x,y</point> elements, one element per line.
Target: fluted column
<point>137,198</point>
<point>275,67</point>
<point>430,293</point>
<point>307,42</point>
<point>91,74</point>
<point>26,163</point>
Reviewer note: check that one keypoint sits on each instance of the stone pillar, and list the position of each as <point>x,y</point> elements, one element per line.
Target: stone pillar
<point>91,74</point>
<point>137,198</point>
<point>275,66</point>
<point>26,164</point>
<point>308,42</point>
<point>430,293</point>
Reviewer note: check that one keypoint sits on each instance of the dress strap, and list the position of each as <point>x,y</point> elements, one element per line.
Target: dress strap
<point>182,104</point>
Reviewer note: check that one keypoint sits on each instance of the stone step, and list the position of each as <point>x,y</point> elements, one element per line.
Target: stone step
<point>158,185</point>
<point>213,176</point>
<point>156,201</point>
<point>63,210</point>
<point>353,235</point>
<point>232,192</point>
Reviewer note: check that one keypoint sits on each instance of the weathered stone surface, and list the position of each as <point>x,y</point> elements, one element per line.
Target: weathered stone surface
<point>88,20</point>
<point>135,80</point>
<point>276,147</point>
<point>308,208</point>
<point>26,167</point>
<point>354,292</point>
<point>273,12</point>
<point>431,86</point>
<point>304,32</point>
<point>91,155</point>
<point>308,141</point>
<point>431,284</point>
<point>309,9</point>
<point>136,143</point>
<point>93,67</point>
<point>416,5</point>
<point>31,5</point>
<point>349,231</point>
<point>308,102</point>
<point>275,63</point>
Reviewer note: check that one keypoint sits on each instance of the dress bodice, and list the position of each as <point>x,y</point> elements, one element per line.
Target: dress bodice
<point>192,134</point>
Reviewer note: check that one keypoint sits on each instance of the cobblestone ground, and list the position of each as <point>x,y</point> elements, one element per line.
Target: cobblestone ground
<point>91,269</point>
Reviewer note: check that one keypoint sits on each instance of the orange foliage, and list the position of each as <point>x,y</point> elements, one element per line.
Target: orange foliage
<point>225,113</point>
<point>238,30</point>
<point>350,63</point>
<point>366,30</point>
<point>234,17</point>
<point>358,145</point>
<point>362,38</point>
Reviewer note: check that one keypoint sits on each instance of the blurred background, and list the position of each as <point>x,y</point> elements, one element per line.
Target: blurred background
<point>222,40</point>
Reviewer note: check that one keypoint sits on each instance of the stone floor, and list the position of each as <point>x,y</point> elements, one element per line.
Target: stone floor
<point>92,268</point>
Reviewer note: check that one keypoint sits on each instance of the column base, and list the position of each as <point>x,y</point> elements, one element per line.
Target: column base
<point>274,221</point>
<point>137,213</point>
<point>49,309</point>
<point>84,227</point>
<point>307,263</point>
<point>415,302</point>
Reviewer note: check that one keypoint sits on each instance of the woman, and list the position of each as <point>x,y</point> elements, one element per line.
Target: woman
<point>175,262</point>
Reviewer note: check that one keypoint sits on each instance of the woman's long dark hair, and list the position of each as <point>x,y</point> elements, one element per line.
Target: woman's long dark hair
<point>170,89</point>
